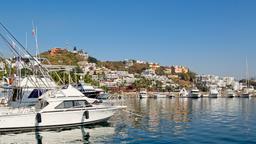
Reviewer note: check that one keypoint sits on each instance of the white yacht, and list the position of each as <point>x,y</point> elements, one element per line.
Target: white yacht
<point>26,90</point>
<point>214,93</point>
<point>229,93</point>
<point>143,94</point>
<point>88,90</point>
<point>56,108</point>
<point>194,93</point>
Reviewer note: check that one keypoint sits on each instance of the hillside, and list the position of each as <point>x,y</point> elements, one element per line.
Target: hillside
<point>64,57</point>
<point>59,56</point>
<point>121,66</point>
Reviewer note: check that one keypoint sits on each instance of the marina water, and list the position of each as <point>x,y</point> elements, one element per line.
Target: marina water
<point>163,120</point>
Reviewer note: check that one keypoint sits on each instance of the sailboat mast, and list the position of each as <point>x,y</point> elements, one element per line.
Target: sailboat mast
<point>247,73</point>
<point>37,47</point>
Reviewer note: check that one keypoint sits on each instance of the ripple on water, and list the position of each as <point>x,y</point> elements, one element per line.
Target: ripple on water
<point>164,121</point>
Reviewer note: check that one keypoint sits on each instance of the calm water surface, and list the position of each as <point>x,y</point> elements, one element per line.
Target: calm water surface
<point>162,121</point>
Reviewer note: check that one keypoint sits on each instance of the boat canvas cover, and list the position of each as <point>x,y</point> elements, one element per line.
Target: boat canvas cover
<point>33,82</point>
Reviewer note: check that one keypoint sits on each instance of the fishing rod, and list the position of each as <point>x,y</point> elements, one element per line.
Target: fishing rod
<point>33,58</point>
<point>17,53</point>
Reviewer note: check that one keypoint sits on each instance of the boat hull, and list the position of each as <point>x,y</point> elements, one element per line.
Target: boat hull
<point>161,96</point>
<point>143,96</point>
<point>245,96</point>
<point>91,94</point>
<point>195,96</point>
<point>230,97</point>
<point>53,119</point>
<point>40,128</point>
<point>213,96</point>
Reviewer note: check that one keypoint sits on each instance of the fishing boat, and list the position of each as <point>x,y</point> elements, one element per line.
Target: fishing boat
<point>57,108</point>
<point>25,91</point>
<point>229,93</point>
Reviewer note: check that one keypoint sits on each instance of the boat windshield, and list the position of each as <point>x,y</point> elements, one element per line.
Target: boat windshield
<point>73,104</point>
<point>41,104</point>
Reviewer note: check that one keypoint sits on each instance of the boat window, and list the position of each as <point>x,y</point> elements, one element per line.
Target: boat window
<point>80,103</point>
<point>35,93</point>
<point>73,104</point>
<point>60,106</point>
<point>41,104</point>
<point>17,94</point>
<point>68,104</point>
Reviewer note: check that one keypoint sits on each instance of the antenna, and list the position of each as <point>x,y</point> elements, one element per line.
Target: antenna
<point>26,41</point>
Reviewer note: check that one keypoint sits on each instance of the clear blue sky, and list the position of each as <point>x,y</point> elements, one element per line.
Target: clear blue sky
<point>209,36</point>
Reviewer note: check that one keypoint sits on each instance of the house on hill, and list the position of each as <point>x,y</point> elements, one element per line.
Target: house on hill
<point>55,51</point>
<point>179,69</point>
<point>74,50</point>
<point>81,53</point>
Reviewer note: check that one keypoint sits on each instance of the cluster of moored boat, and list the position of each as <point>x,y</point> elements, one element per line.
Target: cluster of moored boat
<point>195,93</point>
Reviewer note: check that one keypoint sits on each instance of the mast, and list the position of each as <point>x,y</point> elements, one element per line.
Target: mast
<point>34,33</point>
<point>247,73</point>
<point>44,71</point>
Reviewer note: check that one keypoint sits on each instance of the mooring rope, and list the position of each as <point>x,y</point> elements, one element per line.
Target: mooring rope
<point>130,112</point>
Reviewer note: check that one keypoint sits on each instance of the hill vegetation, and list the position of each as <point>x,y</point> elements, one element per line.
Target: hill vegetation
<point>121,66</point>
<point>66,58</point>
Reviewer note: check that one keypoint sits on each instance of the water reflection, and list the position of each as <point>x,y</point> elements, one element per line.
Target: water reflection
<point>221,120</point>
<point>91,134</point>
<point>187,117</point>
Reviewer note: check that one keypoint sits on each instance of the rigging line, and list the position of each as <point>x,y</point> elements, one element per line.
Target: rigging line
<point>23,52</point>
<point>16,40</point>
<point>10,45</point>
<point>55,72</point>
<point>17,53</point>
<point>36,60</point>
